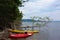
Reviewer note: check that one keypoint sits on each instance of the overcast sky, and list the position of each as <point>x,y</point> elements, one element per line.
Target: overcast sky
<point>42,8</point>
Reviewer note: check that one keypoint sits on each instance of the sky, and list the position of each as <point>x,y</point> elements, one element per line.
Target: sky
<point>41,8</point>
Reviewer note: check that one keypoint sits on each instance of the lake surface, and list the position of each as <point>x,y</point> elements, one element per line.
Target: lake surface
<point>49,32</point>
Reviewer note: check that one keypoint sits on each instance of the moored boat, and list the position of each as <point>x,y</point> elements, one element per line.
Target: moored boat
<point>20,35</point>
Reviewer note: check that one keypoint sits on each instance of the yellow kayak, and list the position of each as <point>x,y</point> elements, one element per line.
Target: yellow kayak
<point>22,31</point>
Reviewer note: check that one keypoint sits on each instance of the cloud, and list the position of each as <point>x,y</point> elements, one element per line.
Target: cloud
<point>41,8</point>
<point>36,6</point>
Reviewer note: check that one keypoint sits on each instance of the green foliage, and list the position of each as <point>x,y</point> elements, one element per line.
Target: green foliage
<point>9,12</point>
<point>19,17</point>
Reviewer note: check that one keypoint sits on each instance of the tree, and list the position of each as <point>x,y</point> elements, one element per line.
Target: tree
<point>39,21</point>
<point>18,22</point>
<point>33,21</point>
<point>9,12</point>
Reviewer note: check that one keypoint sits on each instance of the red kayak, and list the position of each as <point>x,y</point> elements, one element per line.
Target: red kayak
<point>20,35</point>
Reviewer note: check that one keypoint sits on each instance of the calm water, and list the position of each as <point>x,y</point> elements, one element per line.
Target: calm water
<point>49,32</point>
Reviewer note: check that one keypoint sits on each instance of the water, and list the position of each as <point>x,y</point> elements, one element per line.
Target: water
<point>49,32</point>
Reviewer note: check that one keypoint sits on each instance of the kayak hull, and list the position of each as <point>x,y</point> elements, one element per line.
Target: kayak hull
<point>23,31</point>
<point>20,35</point>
